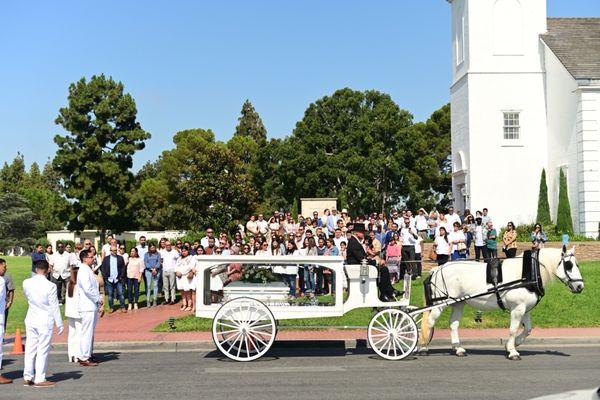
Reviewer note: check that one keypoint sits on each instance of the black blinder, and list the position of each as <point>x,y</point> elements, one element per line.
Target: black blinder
<point>569,265</point>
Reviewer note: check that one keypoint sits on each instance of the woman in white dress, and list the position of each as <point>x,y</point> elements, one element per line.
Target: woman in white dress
<point>185,273</point>
<point>73,316</point>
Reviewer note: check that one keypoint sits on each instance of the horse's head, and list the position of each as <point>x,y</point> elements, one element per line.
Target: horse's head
<point>568,271</point>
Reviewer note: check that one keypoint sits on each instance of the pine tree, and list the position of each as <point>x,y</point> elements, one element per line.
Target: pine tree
<point>564,222</point>
<point>543,210</point>
<point>251,125</point>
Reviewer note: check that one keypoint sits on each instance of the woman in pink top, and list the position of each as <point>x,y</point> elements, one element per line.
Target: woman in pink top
<point>135,266</point>
<point>392,257</point>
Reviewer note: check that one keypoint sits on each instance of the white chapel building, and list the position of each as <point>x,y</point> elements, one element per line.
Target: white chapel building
<point>525,96</point>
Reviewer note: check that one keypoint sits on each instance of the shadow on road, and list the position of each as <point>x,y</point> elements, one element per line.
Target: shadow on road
<point>106,357</point>
<point>501,352</point>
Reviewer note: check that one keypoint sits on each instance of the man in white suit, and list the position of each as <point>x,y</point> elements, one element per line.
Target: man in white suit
<point>3,380</point>
<point>88,303</point>
<point>42,314</point>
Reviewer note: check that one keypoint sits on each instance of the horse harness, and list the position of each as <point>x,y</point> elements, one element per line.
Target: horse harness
<point>531,279</point>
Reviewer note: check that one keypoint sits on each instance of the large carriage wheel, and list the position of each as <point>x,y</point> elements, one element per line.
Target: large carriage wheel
<point>393,334</point>
<point>244,329</point>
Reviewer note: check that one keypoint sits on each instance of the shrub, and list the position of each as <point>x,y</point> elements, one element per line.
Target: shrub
<point>564,222</point>
<point>543,210</point>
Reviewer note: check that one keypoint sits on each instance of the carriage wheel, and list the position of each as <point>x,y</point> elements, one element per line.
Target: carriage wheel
<point>426,331</point>
<point>393,334</point>
<point>244,329</point>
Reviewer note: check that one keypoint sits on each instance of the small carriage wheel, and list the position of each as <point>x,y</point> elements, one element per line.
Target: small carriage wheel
<point>244,329</point>
<point>393,334</point>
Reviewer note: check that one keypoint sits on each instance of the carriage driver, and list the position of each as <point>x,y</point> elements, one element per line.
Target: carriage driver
<point>356,253</point>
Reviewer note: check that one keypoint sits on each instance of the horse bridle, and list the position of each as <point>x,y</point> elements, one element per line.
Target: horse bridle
<point>568,266</point>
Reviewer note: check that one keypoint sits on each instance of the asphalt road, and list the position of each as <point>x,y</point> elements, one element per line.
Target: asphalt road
<point>325,373</point>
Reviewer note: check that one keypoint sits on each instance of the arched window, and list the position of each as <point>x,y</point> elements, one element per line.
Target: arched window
<point>458,162</point>
<point>508,28</point>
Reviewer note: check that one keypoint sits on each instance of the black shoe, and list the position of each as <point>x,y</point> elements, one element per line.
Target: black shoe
<point>398,293</point>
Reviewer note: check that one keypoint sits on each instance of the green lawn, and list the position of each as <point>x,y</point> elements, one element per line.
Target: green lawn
<point>20,269</point>
<point>559,308</point>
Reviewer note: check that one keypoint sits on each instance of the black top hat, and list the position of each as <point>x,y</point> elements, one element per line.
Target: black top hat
<point>358,227</point>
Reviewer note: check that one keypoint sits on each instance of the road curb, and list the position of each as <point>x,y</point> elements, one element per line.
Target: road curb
<point>208,345</point>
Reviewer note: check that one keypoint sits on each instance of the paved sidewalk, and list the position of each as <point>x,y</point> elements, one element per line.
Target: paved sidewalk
<point>137,327</point>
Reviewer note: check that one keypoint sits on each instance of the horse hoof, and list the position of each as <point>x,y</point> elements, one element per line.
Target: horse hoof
<point>515,357</point>
<point>460,352</point>
<point>423,352</point>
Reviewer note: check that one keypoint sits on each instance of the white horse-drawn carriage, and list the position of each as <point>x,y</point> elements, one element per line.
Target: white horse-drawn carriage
<point>245,314</point>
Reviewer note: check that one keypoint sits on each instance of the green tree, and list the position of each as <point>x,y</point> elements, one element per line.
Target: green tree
<point>543,209</point>
<point>250,124</point>
<point>564,222</point>
<point>430,182</point>
<point>208,185</point>
<point>19,226</point>
<point>12,176</point>
<point>352,145</point>
<point>94,158</point>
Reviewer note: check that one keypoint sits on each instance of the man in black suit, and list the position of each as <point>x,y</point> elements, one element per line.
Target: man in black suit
<point>114,273</point>
<point>356,253</point>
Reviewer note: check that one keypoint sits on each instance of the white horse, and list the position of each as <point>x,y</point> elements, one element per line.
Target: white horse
<point>467,278</point>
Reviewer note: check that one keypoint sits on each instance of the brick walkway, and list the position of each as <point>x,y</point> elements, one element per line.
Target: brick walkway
<point>137,327</point>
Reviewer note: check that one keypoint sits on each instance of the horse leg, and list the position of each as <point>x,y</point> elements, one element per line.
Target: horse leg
<point>455,316</point>
<point>516,315</point>
<point>431,320</point>
<point>526,320</point>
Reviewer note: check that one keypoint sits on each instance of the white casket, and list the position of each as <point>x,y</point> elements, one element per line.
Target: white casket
<point>269,293</point>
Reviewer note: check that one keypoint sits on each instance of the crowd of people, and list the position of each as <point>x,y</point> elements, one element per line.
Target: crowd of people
<point>394,241</point>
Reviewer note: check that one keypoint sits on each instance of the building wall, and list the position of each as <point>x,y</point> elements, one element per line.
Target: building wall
<point>308,206</point>
<point>504,174</point>
<point>588,157</point>
<point>562,103</point>
<point>503,71</point>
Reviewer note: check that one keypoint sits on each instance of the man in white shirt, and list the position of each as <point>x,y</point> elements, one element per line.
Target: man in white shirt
<point>262,226</point>
<point>106,247</point>
<point>3,380</point>
<point>60,267</point>
<point>210,234</point>
<point>409,237</point>
<point>421,223</point>
<point>42,315</point>
<point>338,238</point>
<point>169,259</point>
<point>89,301</point>
<point>451,218</point>
<point>485,218</point>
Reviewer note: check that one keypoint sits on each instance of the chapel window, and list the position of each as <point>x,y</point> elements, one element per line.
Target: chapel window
<point>512,128</point>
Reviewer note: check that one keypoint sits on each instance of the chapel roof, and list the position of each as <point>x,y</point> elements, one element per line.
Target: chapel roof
<point>576,43</point>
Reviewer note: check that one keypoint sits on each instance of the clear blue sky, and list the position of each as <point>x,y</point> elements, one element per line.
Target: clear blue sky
<point>191,64</point>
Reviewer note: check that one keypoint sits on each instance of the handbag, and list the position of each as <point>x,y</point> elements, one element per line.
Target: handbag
<point>462,247</point>
<point>432,255</point>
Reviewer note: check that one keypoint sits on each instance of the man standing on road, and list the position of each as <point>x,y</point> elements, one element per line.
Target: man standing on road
<point>88,302</point>
<point>42,314</point>
<point>60,270</point>
<point>169,259</point>
<point>3,380</point>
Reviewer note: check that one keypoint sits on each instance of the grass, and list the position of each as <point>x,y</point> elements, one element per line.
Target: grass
<point>559,308</point>
<point>20,269</point>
